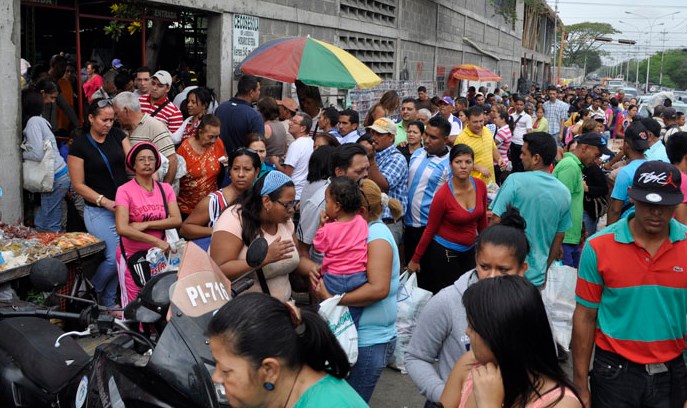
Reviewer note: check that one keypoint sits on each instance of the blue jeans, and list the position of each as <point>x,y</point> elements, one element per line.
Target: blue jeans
<point>101,223</point>
<point>616,382</point>
<point>571,255</point>
<point>589,223</point>
<point>49,216</point>
<point>340,284</point>
<point>367,370</point>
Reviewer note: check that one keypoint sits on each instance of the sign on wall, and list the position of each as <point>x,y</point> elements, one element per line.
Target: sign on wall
<point>246,37</point>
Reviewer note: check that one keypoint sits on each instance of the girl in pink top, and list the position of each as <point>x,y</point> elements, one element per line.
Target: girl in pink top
<point>342,238</point>
<point>512,359</point>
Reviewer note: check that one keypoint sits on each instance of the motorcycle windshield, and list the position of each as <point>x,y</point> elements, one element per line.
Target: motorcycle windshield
<point>201,287</point>
<point>199,293</point>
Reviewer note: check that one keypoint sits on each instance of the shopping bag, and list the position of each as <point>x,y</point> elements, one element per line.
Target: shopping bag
<point>559,300</point>
<point>176,249</point>
<point>410,299</point>
<point>39,176</point>
<point>341,324</point>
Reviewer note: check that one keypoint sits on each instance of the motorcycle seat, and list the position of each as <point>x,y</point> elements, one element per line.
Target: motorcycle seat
<point>31,343</point>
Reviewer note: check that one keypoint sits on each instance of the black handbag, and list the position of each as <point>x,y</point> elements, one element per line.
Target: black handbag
<point>138,265</point>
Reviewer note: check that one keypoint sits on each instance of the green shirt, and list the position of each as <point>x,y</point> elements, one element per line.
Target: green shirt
<point>569,172</point>
<point>401,134</point>
<point>330,392</point>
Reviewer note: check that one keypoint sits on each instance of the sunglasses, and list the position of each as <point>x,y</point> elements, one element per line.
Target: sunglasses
<point>104,102</point>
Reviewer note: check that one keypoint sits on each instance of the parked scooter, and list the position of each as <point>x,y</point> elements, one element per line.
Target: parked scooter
<point>41,366</point>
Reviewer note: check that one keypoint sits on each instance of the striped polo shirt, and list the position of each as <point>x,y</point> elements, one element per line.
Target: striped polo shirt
<point>641,300</point>
<point>426,174</point>
<point>170,115</point>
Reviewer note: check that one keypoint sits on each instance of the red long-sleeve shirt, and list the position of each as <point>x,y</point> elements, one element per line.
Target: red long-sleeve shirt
<point>451,221</point>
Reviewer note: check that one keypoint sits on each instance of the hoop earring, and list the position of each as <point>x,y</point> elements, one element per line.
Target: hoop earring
<point>268,386</point>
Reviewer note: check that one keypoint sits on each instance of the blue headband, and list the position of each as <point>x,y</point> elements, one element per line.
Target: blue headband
<point>273,181</point>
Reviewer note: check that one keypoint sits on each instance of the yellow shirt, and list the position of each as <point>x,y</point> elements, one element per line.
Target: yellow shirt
<point>483,146</point>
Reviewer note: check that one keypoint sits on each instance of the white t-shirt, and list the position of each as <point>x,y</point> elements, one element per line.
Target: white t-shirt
<point>298,156</point>
<point>524,123</point>
<point>456,125</point>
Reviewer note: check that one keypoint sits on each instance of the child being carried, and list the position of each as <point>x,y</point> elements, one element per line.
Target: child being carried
<point>342,238</point>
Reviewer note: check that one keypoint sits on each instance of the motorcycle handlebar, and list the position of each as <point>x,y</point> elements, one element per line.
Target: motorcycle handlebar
<point>42,313</point>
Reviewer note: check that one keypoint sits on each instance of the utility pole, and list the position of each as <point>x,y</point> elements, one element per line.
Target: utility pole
<point>555,34</point>
<point>663,50</point>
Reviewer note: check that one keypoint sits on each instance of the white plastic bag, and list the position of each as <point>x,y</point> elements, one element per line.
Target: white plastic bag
<point>40,176</point>
<point>176,249</point>
<point>341,324</point>
<point>411,299</point>
<point>559,299</point>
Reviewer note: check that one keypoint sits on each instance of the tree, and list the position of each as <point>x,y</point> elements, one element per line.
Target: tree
<point>581,41</point>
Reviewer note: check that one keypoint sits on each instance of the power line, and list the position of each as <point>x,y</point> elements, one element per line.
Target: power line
<point>653,6</point>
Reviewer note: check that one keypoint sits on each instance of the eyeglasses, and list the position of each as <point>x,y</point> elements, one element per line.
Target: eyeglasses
<point>104,102</point>
<point>146,159</point>
<point>291,205</point>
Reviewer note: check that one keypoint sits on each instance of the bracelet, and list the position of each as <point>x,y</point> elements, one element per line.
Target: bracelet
<point>99,200</point>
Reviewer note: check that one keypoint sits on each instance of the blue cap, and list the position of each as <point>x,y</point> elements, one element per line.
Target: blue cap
<point>274,180</point>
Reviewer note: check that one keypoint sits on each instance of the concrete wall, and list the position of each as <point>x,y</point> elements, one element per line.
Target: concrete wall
<point>10,123</point>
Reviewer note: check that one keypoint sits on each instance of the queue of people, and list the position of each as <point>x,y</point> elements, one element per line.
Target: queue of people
<point>475,195</point>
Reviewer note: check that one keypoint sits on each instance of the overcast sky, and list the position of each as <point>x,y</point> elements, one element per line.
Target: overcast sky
<point>633,26</point>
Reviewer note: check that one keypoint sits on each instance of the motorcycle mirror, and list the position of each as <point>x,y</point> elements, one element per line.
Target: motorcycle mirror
<point>48,274</point>
<point>257,251</point>
<point>153,299</point>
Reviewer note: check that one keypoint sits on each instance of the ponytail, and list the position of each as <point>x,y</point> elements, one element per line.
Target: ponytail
<point>256,326</point>
<point>319,347</point>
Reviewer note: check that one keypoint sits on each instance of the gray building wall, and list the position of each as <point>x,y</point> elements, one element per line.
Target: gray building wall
<point>413,39</point>
<point>10,123</point>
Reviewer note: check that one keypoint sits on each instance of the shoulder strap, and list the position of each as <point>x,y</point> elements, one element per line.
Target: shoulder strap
<point>107,162</point>
<point>164,199</point>
<point>263,281</point>
<point>161,107</point>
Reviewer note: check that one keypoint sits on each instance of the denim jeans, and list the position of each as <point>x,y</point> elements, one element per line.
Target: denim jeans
<point>340,284</point>
<point>589,223</point>
<point>617,383</point>
<point>49,215</point>
<point>101,223</point>
<point>367,370</point>
<point>571,255</point>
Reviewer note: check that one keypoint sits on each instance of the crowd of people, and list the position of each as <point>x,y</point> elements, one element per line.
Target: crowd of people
<point>479,195</point>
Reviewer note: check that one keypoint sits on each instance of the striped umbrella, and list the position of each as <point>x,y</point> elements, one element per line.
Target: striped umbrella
<point>474,73</point>
<point>311,61</point>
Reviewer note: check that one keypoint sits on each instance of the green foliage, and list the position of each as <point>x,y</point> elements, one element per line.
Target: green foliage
<point>508,8</point>
<point>124,10</point>
<point>674,69</point>
<point>580,42</point>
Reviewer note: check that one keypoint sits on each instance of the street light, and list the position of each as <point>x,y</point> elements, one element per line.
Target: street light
<point>637,62</point>
<point>652,21</point>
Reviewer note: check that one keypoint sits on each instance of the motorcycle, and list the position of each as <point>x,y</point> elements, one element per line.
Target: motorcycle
<point>169,365</point>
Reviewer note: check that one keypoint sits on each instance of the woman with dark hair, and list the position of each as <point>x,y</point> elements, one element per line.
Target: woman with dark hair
<point>94,81</point>
<point>256,142</point>
<point>96,168</point>
<point>271,354</point>
<point>415,133</point>
<point>276,137</point>
<point>198,103</point>
<point>501,249</point>
<point>244,166</point>
<point>145,208</point>
<point>512,361</point>
<point>38,139</point>
<point>319,172</point>
<point>541,124</point>
<point>457,214</point>
<point>325,139</point>
<point>202,152</point>
<point>377,297</point>
<point>265,210</point>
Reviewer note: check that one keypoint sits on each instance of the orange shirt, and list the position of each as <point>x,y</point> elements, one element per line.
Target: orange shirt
<point>201,177</point>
